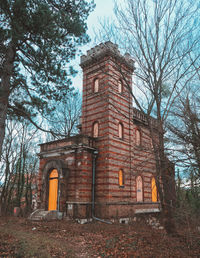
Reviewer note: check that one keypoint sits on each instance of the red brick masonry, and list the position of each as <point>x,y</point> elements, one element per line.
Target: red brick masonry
<point>72,157</point>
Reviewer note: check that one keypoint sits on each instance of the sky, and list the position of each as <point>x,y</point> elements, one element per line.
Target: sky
<point>104,8</point>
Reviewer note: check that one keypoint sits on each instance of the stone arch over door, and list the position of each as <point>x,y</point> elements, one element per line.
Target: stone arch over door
<point>63,173</point>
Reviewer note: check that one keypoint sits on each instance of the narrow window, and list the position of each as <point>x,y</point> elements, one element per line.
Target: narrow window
<point>138,137</point>
<point>139,189</point>
<point>151,143</point>
<point>120,130</point>
<point>95,129</point>
<point>154,190</point>
<point>121,178</point>
<point>120,86</point>
<point>96,85</point>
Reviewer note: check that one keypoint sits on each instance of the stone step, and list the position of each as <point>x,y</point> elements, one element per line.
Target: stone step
<point>37,218</point>
<point>46,215</point>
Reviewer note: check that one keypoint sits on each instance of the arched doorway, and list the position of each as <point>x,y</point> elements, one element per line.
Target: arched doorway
<point>53,190</point>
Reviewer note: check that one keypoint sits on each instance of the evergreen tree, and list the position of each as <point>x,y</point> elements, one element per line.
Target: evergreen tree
<point>38,38</point>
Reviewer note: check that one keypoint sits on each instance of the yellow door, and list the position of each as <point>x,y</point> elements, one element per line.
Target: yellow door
<point>53,190</point>
<point>154,190</point>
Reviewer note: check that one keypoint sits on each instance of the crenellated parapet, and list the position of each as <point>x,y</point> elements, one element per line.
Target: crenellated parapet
<point>139,116</point>
<point>106,49</point>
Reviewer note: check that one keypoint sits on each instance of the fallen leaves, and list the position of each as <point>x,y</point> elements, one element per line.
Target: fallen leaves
<point>69,239</point>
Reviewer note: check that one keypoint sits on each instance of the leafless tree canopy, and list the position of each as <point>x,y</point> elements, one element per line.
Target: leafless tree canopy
<point>18,167</point>
<point>64,120</point>
<point>162,36</point>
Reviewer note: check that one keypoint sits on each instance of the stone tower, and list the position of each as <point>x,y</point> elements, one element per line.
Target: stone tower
<point>107,115</point>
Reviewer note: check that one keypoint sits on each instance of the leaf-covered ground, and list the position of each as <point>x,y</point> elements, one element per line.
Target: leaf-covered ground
<point>22,238</point>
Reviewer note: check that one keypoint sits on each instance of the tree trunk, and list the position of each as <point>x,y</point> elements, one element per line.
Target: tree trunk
<point>167,207</point>
<point>167,186</point>
<point>5,90</point>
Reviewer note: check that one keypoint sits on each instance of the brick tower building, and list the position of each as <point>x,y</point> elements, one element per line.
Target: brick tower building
<point>108,169</point>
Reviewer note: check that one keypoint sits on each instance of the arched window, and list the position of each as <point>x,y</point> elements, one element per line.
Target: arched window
<point>95,129</point>
<point>138,137</point>
<point>154,190</point>
<point>120,86</point>
<point>151,143</point>
<point>96,85</point>
<point>139,189</point>
<point>121,178</point>
<point>120,130</point>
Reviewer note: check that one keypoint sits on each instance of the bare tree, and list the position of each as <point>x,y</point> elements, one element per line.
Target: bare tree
<point>162,37</point>
<point>18,166</point>
<point>64,120</point>
<point>187,134</point>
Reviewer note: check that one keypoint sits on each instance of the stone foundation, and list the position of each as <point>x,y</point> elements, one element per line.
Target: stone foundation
<point>82,210</point>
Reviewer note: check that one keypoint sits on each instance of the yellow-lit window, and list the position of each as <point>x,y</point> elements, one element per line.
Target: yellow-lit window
<point>96,85</point>
<point>96,129</point>
<point>120,130</point>
<point>121,177</point>
<point>154,190</point>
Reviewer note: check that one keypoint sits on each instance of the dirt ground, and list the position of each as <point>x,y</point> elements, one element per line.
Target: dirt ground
<point>22,238</point>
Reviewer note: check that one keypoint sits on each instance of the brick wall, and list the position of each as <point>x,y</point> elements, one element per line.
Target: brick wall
<point>74,166</point>
<point>109,108</point>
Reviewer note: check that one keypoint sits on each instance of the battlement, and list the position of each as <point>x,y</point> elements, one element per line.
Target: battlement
<point>142,118</point>
<point>106,49</point>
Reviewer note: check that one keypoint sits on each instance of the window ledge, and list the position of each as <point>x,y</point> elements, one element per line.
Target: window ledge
<point>120,139</point>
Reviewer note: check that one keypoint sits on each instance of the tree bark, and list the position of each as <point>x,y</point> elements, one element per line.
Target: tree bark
<point>5,89</point>
<point>167,185</point>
